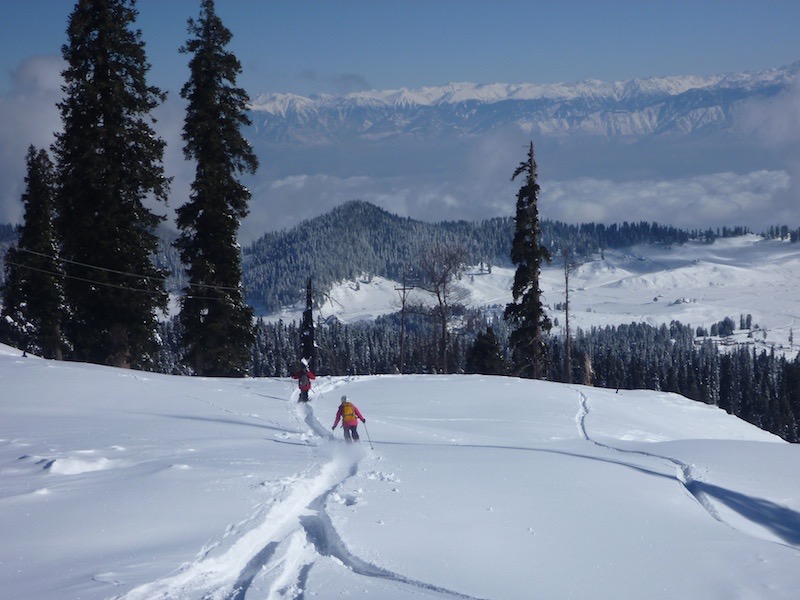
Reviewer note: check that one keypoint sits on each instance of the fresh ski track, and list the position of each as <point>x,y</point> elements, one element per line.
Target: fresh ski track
<point>685,473</point>
<point>278,545</point>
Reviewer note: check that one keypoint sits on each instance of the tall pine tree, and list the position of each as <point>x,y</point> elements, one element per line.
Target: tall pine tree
<point>109,162</point>
<point>217,324</point>
<point>32,295</point>
<point>525,313</point>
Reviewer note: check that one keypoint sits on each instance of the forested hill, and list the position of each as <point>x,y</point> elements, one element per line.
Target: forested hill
<point>353,239</point>
<point>359,238</point>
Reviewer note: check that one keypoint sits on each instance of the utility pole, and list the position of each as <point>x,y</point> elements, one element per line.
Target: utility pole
<point>404,291</point>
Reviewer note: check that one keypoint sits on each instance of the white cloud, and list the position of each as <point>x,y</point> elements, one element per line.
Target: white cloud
<point>39,75</point>
<point>169,127</point>
<point>286,202</point>
<point>29,115</point>
<point>753,199</point>
<point>756,200</point>
<point>775,121</point>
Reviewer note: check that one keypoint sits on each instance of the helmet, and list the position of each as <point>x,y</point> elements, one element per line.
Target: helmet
<point>344,398</point>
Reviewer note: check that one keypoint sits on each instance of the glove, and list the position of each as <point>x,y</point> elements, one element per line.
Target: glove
<point>334,427</point>
<point>363,420</point>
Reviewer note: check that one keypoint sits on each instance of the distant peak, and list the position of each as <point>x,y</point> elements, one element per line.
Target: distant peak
<point>458,92</point>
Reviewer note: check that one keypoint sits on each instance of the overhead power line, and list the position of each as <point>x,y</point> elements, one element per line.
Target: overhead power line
<point>123,273</point>
<point>88,280</point>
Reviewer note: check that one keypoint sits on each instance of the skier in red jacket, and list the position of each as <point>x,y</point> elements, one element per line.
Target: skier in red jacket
<point>304,375</point>
<point>349,414</point>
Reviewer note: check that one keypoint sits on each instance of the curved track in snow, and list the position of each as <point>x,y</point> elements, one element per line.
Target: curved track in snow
<point>685,473</point>
<point>278,546</point>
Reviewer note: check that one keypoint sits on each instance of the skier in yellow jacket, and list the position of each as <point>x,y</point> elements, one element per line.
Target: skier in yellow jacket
<point>350,415</point>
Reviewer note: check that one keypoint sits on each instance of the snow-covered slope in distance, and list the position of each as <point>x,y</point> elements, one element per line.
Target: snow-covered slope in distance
<point>696,284</point>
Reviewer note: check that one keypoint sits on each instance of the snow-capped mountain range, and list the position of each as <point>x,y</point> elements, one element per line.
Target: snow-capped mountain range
<point>654,105</point>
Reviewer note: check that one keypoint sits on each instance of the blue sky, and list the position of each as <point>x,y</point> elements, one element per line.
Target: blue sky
<point>307,46</point>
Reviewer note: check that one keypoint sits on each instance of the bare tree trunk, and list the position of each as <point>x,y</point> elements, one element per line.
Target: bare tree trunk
<point>404,292</point>
<point>440,264</point>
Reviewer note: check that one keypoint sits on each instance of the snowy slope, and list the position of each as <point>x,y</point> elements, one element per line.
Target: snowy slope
<point>696,284</point>
<point>122,484</point>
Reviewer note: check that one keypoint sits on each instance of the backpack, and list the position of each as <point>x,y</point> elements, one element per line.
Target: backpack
<point>348,412</point>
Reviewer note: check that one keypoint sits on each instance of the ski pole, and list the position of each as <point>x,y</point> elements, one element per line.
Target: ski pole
<point>371,447</point>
